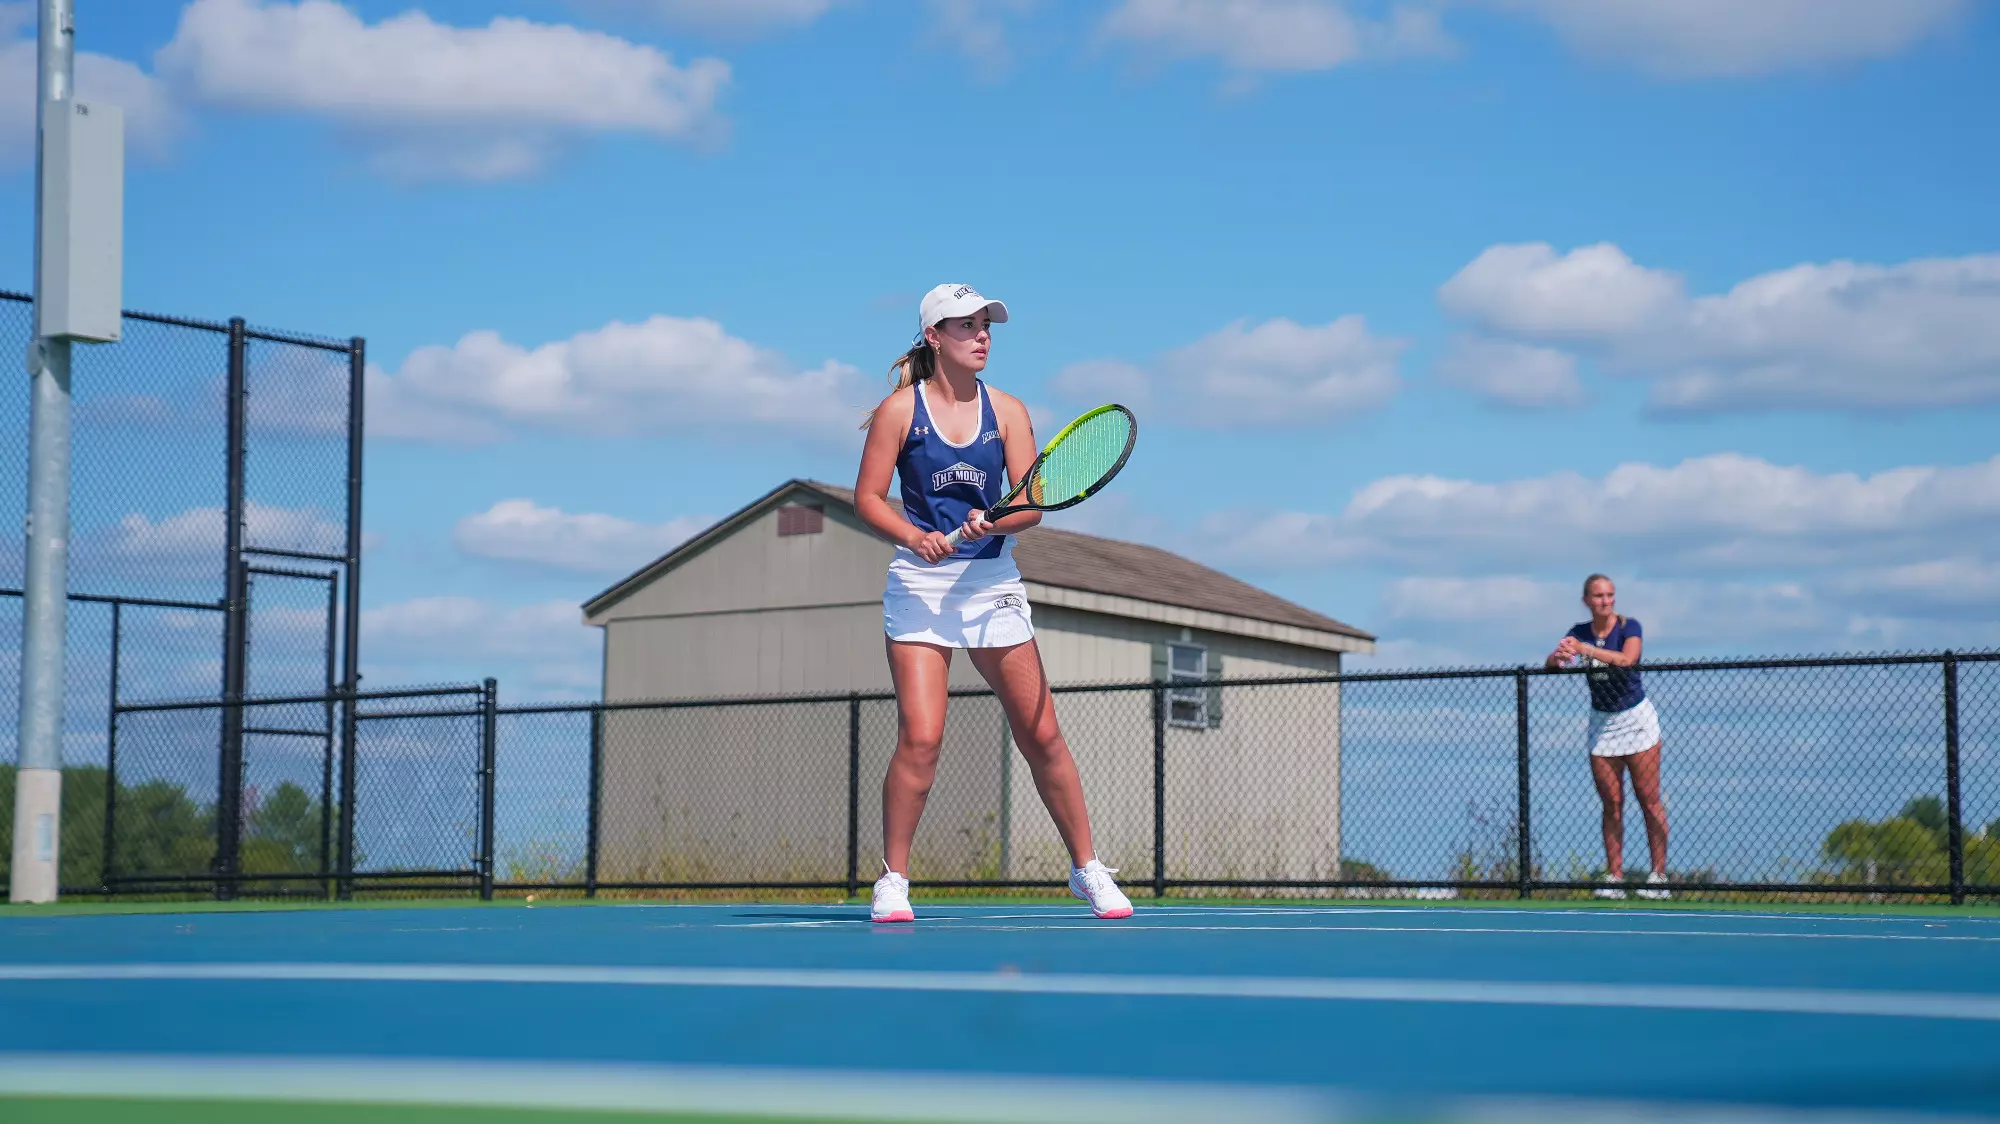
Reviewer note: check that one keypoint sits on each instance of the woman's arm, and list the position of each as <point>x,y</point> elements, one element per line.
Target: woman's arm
<point>878,467</point>
<point>1017,436</point>
<point>1628,657</point>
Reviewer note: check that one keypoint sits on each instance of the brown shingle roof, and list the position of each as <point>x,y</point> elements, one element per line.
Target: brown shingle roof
<point>1070,560</point>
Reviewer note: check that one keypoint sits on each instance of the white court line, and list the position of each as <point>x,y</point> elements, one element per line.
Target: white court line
<point>1094,926</point>
<point>935,912</point>
<point>1891,1004</point>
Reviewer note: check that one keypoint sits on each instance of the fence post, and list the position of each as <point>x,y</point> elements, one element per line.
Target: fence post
<point>1523,873</point>
<point>853,795</point>
<point>489,723</point>
<point>1954,830</point>
<point>350,624</point>
<point>326,812</point>
<point>590,846</point>
<point>111,755</point>
<point>229,767</point>
<point>1159,790</point>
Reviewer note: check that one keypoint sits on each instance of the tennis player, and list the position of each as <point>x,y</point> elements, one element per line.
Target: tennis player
<point>951,439</point>
<point>1624,731</point>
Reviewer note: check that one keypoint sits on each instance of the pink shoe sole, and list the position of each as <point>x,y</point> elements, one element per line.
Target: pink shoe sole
<point>899,915</point>
<point>1115,914</point>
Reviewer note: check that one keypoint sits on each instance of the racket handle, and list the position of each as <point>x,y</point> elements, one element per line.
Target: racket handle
<point>957,536</point>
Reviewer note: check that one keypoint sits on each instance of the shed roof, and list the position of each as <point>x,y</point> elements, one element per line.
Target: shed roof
<point>1052,557</point>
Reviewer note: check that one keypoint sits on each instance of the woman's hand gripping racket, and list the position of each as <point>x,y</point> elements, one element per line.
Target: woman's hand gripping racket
<point>1075,465</point>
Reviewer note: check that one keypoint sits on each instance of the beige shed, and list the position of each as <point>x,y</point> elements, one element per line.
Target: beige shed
<point>783,598</point>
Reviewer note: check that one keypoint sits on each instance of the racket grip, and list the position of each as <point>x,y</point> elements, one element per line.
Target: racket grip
<point>957,536</point>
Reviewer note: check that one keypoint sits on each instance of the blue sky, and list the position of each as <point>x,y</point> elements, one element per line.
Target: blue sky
<point>1428,309</point>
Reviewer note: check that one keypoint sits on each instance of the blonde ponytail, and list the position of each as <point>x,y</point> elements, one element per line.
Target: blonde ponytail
<point>916,365</point>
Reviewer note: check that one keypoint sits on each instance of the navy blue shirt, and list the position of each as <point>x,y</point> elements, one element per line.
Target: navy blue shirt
<point>1612,688</point>
<point>943,482</point>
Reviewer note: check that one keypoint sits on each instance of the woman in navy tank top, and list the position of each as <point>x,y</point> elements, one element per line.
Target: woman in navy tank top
<point>954,443</point>
<point>1624,731</point>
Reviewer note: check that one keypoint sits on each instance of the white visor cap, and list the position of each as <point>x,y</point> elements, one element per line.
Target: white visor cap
<point>947,301</point>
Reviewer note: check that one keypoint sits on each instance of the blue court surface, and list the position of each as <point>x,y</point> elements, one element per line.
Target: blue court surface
<point>1018,1012</point>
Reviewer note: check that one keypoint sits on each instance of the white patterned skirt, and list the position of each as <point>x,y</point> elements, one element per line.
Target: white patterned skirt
<point>976,603</point>
<point>1622,733</point>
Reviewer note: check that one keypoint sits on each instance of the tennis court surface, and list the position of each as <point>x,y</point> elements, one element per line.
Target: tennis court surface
<point>997,1012</point>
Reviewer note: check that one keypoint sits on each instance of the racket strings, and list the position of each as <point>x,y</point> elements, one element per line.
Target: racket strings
<point>1079,462</point>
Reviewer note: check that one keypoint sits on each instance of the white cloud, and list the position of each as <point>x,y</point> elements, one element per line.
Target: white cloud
<point>1716,554</point>
<point>1698,38</point>
<point>1524,617</point>
<point>1506,373</point>
<point>1513,618</point>
<point>523,531</point>
<point>431,100</point>
<point>1271,36</point>
<point>662,375</point>
<point>1106,380</point>
<point>1944,587</point>
<point>1113,516</point>
<point>542,649</point>
<point>1276,374</point>
<point>736,17</point>
<point>976,29</point>
<point>302,394</point>
<point>189,543</point>
<point>1588,293</point>
<point>1724,512</point>
<point>449,626</point>
<point>1840,335</point>
<point>152,118</point>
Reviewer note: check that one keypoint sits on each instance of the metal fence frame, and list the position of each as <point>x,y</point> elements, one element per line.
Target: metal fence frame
<point>481,702</point>
<point>1524,886</point>
<point>241,561</point>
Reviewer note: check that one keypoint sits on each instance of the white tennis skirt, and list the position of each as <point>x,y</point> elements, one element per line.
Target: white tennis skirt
<point>975,603</point>
<point>1622,733</point>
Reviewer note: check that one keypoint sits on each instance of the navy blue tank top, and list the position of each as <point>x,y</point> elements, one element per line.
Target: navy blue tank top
<point>1612,689</point>
<point>943,482</point>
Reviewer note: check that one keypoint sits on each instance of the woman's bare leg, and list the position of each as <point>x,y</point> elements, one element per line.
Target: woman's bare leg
<point>1611,794</point>
<point>1016,675</point>
<point>1645,766</point>
<point>921,673</point>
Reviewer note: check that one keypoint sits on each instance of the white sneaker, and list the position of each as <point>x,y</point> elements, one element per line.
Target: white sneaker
<point>1656,878</point>
<point>1092,882</point>
<point>1608,889</point>
<point>892,899</point>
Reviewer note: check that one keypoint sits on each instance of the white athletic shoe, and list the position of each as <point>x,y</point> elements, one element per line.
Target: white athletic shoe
<point>892,899</point>
<point>1092,882</point>
<point>1655,879</point>
<point>1609,889</point>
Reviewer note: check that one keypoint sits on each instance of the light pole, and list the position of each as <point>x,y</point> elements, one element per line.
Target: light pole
<point>79,209</point>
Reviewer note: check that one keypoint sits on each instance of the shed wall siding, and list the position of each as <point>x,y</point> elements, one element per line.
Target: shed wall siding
<point>1256,798</point>
<point>759,792</point>
<point>755,569</point>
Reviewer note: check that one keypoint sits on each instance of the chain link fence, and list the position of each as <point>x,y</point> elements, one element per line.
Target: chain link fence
<point>1849,778</point>
<point>214,553</point>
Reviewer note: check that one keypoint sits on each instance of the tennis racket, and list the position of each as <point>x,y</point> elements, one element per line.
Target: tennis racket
<point>1075,465</point>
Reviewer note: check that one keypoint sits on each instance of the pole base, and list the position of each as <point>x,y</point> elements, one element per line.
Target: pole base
<point>37,834</point>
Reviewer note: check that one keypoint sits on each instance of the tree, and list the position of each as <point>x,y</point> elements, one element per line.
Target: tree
<point>81,848</point>
<point>282,833</point>
<point>1912,847</point>
<point>159,830</point>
